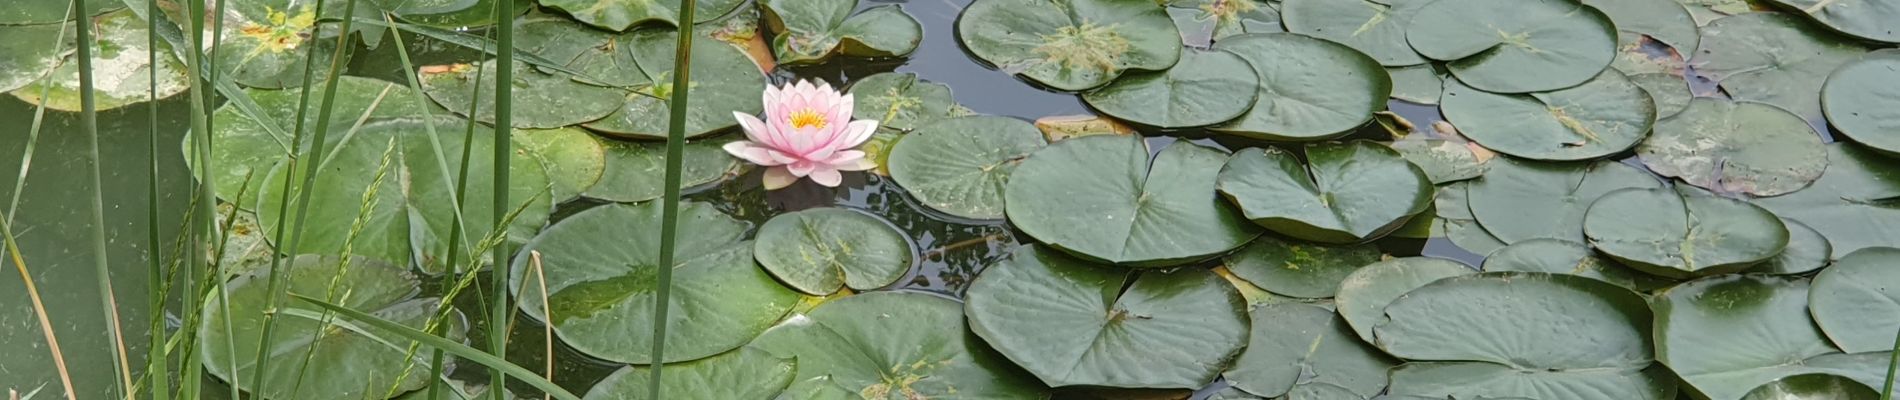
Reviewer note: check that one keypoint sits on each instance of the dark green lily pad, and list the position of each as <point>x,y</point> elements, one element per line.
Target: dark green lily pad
<point>48,12</point>
<point>1298,345</point>
<point>809,31</point>
<point>1597,118</point>
<point>1807,251</point>
<point>743,374</point>
<point>1866,19</point>
<point>1565,257</point>
<point>960,166</point>
<point>1298,269</point>
<point>246,150</point>
<point>821,250</point>
<point>1511,46</point>
<point>1773,58</point>
<point>1351,192</point>
<point>1420,84</point>
<point>1852,205</point>
<point>1452,208</point>
<point>1070,45</point>
<point>724,81</point>
<point>1670,92</point>
<point>1099,197</point>
<point>636,172</point>
<point>1666,233</point>
<point>1745,147</point>
<point>1203,22</point>
<point>335,361</point>
<point>1443,161</point>
<point>545,101</point>
<point>901,100</point>
<point>600,267</point>
<point>1364,295</point>
<point>121,68</point>
<point>31,52</point>
<point>1199,90</point>
<point>1665,21</point>
<point>1519,200</point>
<point>1376,28</point>
<point>1072,323</point>
<point>1545,336</point>
<point>1310,89</point>
<point>574,159</point>
<point>619,15</point>
<point>893,345</point>
<point>1860,102</point>
<point>1857,301</point>
<point>1812,387</point>
<point>1726,335</point>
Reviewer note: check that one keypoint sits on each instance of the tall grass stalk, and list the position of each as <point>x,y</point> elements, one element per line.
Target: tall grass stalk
<point>201,116</point>
<point>504,130</point>
<point>155,356</point>
<point>1893,365</point>
<point>6,228</point>
<point>669,212</point>
<point>89,122</point>
<point>39,307</point>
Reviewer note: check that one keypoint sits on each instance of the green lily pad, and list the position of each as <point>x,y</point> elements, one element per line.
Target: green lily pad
<point>246,150</point>
<point>1857,301</point>
<point>1297,345</point>
<point>1376,28</point>
<point>1852,205</point>
<point>1603,350</point>
<point>31,52</point>
<point>1640,54</point>
<point>901,100</point>
<point>1670,92</point>
<point>1812,387</point>
<point>1198,91</point>
<point>267,42</point>
<point>1666,233</point>
<point>1666,21</point>
<point>1807,251</point>
<point>1511,46</point>
<point>574,159</point>
<point>1364,295</point>
<point>1299,270</point>
<point>1866,19</point>
<point>1072,323</point>
<point>1725,335</point>
<point>743,374</point>
<point>896,345</point>
<point>121,69</point>
<point>481,14</point>
<point>724,81</point>
<point>599,266</point>
<point>1773,58</point>
<point>1100,198</point>
<point>1565,257</point>
<point>817,388</point>
<point>1234,393</point>
<point>1070,45</point>
<point>1600,117</point>
<point>1443,161</point>
<point>335,361</point>
<point>960,166</point>
<point>809,31</point>
<point>1861,104</point>
<point>1203,22</point>
<point>636,172</point>
<point>1452,208</point>
<point>1745,147</point>
<point>1420,84</point>
<point>1351,192</point>
<point>1519,200</point>
<point>821,250</point>
<point>49,12</point>
<point>619,15</point>
<point>545,101</point>
<point>1310,89</point>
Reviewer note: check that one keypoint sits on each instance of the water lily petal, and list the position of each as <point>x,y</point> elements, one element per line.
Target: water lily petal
<point>825,175</point>
<point>754,128</point>
<point>778,178</point>
<point>858,132</point>
<point>754,153</point>
<point>801,168</point>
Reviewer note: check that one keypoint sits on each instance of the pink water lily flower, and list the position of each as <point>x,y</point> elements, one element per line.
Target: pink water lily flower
<point>808,132</point>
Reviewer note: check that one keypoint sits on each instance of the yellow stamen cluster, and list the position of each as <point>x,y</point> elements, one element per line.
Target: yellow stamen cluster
<point>808,118</point>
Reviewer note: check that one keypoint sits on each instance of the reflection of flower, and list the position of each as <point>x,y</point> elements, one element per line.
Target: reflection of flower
<point>808,132</point>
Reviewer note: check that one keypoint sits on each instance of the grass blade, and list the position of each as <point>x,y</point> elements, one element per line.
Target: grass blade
<point>89,122</point>
<point>669,212</point>
<point>482,44</point>
<point>156,356</point>
<point>504,130</point>
<point>39,308</point>
<point>1893,364</point>
<point>501,366</point>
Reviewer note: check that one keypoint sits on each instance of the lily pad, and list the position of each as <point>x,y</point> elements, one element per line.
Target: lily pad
<point>1070,45</point>
<point>546,101</point>
<point>1861,104</point>
<point>1364,295</point>
<point>1299,270</point>
<point>1852,205</point>
<point>821,250</point>
<point>1199,90</point>
<point>1443,161</point>
<point>31,52</point>
<point>724,81</point>
<point>1857,301</point>
<point>619,15</point>
<point>1812,386</point>
<point>1071,323</point>
<point>247,150</point>
<point>1519,200</point>
<point>574,159</point>
<point>49,12</point>
<point>809,31</point>
<point>1807,251</point>
<point>1866,19</point>
<point>1420,84</point>
<point>1670,92</point>
<point>1773,58</point>
<point>1100,198</point>
<point>1600,117</point>
<point>1452,208</point>
<point>1565,257</point>
<point>1310,89</point>
<point>1513,46</point>
<point>901,100</point>
<point>334,361</point>
<point>1666,21</point>
<point>1726,335</point>
<point>1351,192</point>
<point>1296,345</point>
<point>267,43</point>
<point>636,172</point>
<point>1203,22</point>
<point>1376,28</point>
<point>743,374</point>
<point>121,68</point>
<point>817,388</point>
<point>891,345</point>
<point>1640,54</point>
<point>960,166</point>
<point>1603,350</point>
<point>481,14</point>
<point>1745,147</point>
<point>1666,233</point>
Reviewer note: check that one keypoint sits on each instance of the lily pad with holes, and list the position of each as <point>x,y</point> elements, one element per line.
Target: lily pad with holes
<point>743,374</point>
<point>1203,22</point>
<point>1565,257</point>
<point>600,266</point>
<point>1099,197</point>
<point>545,101</point>
<point>885,345</point>
<point>574,159</point>
<point>636,172</point>
<point>121,68</point>
<point>809,31</point>
<point>1603,350</point>
<point>1420,84</point>
<point>724,81</point>
<point>1295,269</point>
<point>1520,200</point>
<point>338,360</point>
<point>1807,251</point>
<point>1297,345</point>
<point>1745,147</point>
<point>1669,234</point>
<point>1666,21</point>
<point>1860,102</point>
<point>1364,295</point>
<point>620,15</point>
<point>1070,45</point>
<point>1070,323</point>
<point>821,250</point>
<point>960,166</point>
<point>901,100</point>
<point>1376,28</point>
<point>1773,58</point>
<point>1310,89</point>
<point>1600,117</point>
<point>1865,19</point>
<point>247,149</point>
<point>1350,192</point>
<point>1852,205</point>
<point>1670,92</point>
<point>1857,301</point>
<point>1510,46</point>
<point>31,52</point>
<point>1726,335</point>
<point>49,12</point>
<point>1443,161</point>
<point>1198,91</point>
